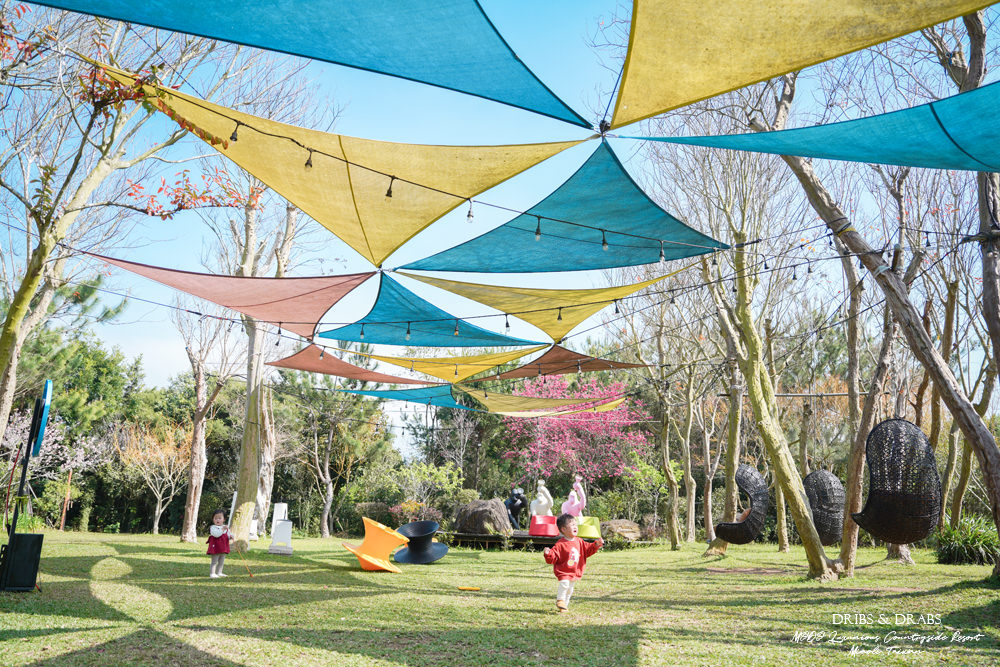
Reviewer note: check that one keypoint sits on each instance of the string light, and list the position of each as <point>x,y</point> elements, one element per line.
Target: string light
<point>766,267</point>
<point>233,137</point>
<point>388,192</point>
<point>456,370</point>
<point>927,240</point>
<point>469,217</point>
<point>662,256</point>
<point>407,331</point>
<point>617,312</point>
<point>506,322</point>
<point>456,327</point>
<point>538,228</point>
<point>309,160</point>
<point>560,314</point>
<point>362,331</point>
<point>715,262</point>
<point>322,351</point>
<point>604,241</point>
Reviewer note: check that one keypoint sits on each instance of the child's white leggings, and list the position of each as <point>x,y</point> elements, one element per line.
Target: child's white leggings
<point>565,590</point>
<point>218,560</point>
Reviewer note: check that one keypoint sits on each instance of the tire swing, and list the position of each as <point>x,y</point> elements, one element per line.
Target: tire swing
<point>748,528</point>
<point>826,500</point>
<point>904,490</point>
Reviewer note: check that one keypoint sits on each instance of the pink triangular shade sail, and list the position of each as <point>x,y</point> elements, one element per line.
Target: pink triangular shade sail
<point>295,304</point>
<point>560,361</point>
<point>309,359</point>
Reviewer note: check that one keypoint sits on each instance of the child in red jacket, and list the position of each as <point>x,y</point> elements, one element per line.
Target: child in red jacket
<point>568,558</point>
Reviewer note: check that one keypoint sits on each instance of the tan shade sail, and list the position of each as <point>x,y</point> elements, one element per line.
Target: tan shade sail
<point>554,311</point>
<point>343,182</point>
<point>309,359</point>
<point>683,51</point>
<point>560,361</point>
<point>506,403</point>
<point>456,369</point>
<point>603,407</point>
<point>295,304</point>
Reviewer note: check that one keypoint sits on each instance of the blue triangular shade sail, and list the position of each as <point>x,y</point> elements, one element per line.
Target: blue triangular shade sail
<point>439,395</point>
<point>446,43</point>
<point>398,310</point>
<point>958,132</point>
<point>600,202</point>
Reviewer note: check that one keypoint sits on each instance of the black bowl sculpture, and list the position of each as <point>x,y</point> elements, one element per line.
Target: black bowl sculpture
<point>421,548</point>
<point>746,531</point>
<point>826,500</point>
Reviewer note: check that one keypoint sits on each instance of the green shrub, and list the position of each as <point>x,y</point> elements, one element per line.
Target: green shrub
<point>29,523</point>
<point>376,512</point>
<point>973,541</point>
<point>113,528</point>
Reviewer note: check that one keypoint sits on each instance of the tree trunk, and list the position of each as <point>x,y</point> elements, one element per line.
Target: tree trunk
<point>324,529</point>
<point>249,469</point>
<point>734,422</point>
<point>156,517</point>
<point>804,438</point>
<point>268,447</point>
<point>690,488</point>
<point>949,472</point>
<point>673,525</point>
<point>707,491</point>
<point>899,552</point>
<point>963,481</point>
<point>856,459</point>
<point>782,521</point>
<point>199,459</point>
<point>947,335</point>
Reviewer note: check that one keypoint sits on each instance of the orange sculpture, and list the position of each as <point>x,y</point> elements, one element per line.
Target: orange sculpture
<point>379,543</point>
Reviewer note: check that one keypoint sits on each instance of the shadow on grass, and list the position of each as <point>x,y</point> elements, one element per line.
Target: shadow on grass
<point>573,644</point>
<point>145,646</point>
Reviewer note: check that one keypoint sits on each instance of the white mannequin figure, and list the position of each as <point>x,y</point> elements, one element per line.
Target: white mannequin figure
<point>542,504</point>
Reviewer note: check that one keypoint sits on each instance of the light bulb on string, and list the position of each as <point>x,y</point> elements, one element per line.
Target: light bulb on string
<point>407,331</point>
<point>662,256</point>
<point>309,160</point>
<point>604,241</point>
<point>456,328</point>
<point>362,331</point>
<point>469,217</point>
<point>617,312</point>
<point>233,137</point>
<point>538,228</point>
<point>506,323</point>
<point>322,352</point>
<point>559,318</point>
<point>388,192</point>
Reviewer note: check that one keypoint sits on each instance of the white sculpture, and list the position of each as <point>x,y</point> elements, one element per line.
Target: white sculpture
<point>542,504</point>
<point>281,538</point>
<point>577,501</point>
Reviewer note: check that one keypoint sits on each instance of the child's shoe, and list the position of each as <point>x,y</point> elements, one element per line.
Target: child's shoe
<point>213,576</point>
<point>223,575</point>
<point>561,606</point>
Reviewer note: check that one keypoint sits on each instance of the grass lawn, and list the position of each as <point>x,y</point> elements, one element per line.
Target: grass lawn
<point>140,599</point>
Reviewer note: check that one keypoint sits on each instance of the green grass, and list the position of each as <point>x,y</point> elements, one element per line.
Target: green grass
<point>139,600</point>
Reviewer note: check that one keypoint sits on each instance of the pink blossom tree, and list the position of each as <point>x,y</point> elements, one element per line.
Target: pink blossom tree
<point>595,445</point>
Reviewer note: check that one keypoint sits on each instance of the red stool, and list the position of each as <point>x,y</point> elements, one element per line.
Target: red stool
<point>543,526</point>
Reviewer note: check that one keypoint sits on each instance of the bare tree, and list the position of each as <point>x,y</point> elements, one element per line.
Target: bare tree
<point>161,455</point>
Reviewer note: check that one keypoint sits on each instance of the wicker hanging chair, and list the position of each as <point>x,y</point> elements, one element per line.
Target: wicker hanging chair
<point>904,490</point>
<point>826,499</point>
<point>751,483</point>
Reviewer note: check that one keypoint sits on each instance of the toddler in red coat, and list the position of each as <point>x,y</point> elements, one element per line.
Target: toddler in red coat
<point>218,543</point>
<point>568,558</point>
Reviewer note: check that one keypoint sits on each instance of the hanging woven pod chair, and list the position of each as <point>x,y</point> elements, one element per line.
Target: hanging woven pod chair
<point>751,483</point>
<point>904,490</point>
<point>826,500</point>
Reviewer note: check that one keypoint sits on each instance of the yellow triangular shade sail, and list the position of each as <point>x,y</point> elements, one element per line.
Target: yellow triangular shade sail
<point>683,51</point>
<point>456,369</point>
<point>508,403</point>
<point>344,187</point>
<point>554,311</point>
<point>603,407</point>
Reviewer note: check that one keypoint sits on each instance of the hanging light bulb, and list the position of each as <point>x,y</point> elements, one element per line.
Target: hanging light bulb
<point>322,351</point>
<point>456,328</point>
<point>604,241</point>
<point>456,370</point>
<point>830,239</point>
<point>309,160</point>
<point>362,331</point>
<point>662,256</point>
<point>388,192</point>
<point>233,137</point>
<point>766,267</point>
<point>715,262</point>
<point>927,240</point>
<point>809,267</point>
<point>617,312</point>
<point>559,318</point>
<point>673,300</point>
<point>407,331</point>
<point>469,217</point>
<point>538,228</point>
<point>506,323</point>
<point>579,368</point>
<point>734,287</point>
<point>794,277</point>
